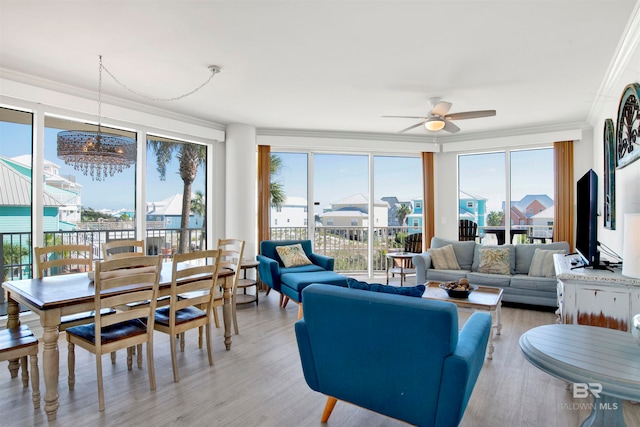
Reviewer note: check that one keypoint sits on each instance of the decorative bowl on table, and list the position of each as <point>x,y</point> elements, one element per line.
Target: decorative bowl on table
<point>460,289</point>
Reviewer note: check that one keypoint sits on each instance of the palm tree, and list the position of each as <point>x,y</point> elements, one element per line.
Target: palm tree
<point>278,197</point>
<point>189,156</point>
<point>199,208</point>
<point>402,213</point>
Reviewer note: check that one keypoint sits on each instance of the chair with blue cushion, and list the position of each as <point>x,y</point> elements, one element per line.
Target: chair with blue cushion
<point>400,356</point>
<point>290,281</point>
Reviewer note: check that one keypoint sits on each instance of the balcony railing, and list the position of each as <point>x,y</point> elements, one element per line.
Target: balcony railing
<point>16,261</point>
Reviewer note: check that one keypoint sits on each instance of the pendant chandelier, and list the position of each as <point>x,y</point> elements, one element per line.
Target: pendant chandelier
<point>99,154</point>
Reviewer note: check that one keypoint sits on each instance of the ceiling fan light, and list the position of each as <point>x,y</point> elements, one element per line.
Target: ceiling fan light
<point>434,124</point>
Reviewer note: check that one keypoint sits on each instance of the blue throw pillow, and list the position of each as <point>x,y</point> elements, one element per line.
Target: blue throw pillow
<point>411,291</point>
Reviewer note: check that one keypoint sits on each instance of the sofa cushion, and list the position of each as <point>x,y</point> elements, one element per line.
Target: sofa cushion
<point>444,258</point>
<point>445,275</point>
<point>464,250</point>
<point>494,280</point>
<point>411,291</point>
<point>509,248</point>
<point>494,261</point>
<point>302,269</point>
<point>292,255</point>
<point>522,281</point>
<point>542,263</point>
<point>524,254</point>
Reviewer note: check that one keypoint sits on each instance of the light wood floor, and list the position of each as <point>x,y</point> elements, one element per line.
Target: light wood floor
<point>260,383</point>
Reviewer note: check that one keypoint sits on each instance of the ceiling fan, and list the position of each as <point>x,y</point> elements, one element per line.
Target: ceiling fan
<point>438,119</point>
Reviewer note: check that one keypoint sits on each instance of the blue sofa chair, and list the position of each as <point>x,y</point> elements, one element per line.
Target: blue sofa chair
<point>400,356</point>
<point>291,281</point>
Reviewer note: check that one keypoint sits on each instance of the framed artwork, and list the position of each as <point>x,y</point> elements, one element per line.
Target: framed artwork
<point>627,138</point>
<point>609,175</point>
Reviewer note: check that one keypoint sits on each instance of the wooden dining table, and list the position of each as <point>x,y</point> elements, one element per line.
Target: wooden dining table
<point>55,296</point>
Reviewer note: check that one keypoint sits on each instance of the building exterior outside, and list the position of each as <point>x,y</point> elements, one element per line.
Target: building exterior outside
<point>353,211</point>
<point>472,207</point>
<point>169,212</point>
<point>292,214</point>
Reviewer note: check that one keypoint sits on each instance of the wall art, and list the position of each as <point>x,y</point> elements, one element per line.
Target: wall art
<point>628,126</point>
<point>609,175</point>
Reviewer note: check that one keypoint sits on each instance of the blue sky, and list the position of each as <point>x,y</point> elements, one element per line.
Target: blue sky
<point>337,176</point>
<point>115,192</point>
<point>484,175</point>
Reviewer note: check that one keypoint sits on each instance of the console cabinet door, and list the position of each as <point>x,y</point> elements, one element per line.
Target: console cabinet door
<point>604,307</point>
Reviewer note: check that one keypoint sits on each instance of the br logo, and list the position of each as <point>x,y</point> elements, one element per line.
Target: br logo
<point>581,390</point>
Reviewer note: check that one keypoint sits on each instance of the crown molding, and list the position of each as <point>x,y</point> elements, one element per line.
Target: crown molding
<point>394,137</point>
<point>627,45</point>
<point>67,89</point>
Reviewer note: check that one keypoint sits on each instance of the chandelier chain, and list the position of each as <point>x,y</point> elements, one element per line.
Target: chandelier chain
<point>214,71</point>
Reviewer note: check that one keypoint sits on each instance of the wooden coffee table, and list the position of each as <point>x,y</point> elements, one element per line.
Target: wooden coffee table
<point>484,298</point>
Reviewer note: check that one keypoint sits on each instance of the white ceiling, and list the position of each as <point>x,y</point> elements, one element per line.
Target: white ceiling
<point>327,65</point>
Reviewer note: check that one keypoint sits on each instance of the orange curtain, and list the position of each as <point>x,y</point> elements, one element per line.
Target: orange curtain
<point>264,193</point>
<point>563,228</point>
<point>428,197</point>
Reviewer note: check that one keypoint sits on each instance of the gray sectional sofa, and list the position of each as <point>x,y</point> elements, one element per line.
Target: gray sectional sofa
<point>519,286</point>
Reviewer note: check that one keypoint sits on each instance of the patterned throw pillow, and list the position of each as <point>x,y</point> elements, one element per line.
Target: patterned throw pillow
<point>293,255</point>
<point>444,258</point>
<point>542,263</point>
<point>494,261</point>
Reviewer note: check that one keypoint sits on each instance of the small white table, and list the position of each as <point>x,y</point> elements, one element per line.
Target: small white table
<point>404,269</point>
<point>589,354</point>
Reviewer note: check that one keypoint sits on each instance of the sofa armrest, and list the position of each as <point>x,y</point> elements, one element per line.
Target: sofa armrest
<point>323,261</point>
<point>421,262</point>
<point>269,271</point>
<point>461,369</point>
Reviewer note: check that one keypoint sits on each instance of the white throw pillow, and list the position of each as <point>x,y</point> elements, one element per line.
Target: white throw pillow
<point>444,258</point>
<point>292,255</point>
<point>542,263</point>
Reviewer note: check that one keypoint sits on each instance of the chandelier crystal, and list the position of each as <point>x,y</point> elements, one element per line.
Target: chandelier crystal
<point>100,154</point>
<point>96,154</point>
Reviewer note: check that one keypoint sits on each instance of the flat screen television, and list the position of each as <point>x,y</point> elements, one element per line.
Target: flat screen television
<point>587,219</point>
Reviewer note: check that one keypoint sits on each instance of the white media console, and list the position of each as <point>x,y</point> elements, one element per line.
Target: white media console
<point>595,297</point>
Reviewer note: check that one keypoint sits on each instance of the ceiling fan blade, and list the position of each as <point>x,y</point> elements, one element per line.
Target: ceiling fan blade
<point>412,127</point>
<point>450,127</point>
<point>470,115</point>
<point>441,108</point>
<point>407,117</point>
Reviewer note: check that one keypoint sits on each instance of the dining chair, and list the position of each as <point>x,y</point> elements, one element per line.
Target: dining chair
<point>18,343</point>
<point>122,248</point>
<point>193,278</point>
<point>231,251</point>
<point>65,259</point>
<point>139,276</point>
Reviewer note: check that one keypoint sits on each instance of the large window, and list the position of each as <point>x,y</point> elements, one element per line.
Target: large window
<point>514,206</point>
<point>15,187</point>
<point>289,196</point>
<point>344,216</point>
<point>176,184</point>
<point>77,207</point>
<point>532,188</point>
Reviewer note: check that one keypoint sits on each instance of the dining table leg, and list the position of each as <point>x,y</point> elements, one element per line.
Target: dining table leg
<point>13,321</point>
<point>50,363</point>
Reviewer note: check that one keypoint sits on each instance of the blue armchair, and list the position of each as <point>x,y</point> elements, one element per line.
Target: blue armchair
<point>400,356</point>
<point>272,270</point>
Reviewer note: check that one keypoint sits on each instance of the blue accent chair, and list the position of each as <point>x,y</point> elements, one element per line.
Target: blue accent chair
<point>400,356</point>
<point>289,282</point>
